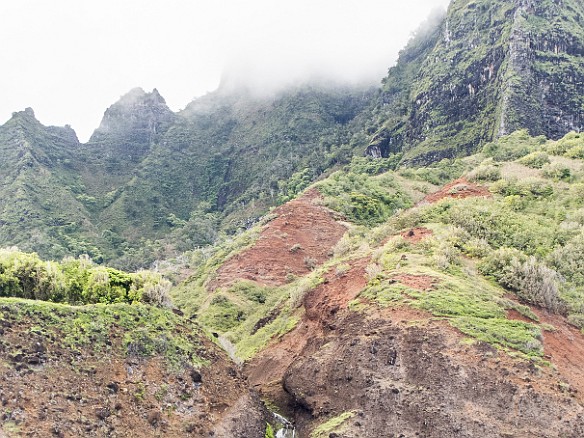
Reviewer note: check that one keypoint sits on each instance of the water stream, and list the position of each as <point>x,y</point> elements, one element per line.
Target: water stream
<point>283,427</point>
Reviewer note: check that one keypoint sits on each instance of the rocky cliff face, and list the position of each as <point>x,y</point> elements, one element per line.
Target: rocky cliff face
<point>487,69</point>
<point>130,126</point>
<point>545,78</point>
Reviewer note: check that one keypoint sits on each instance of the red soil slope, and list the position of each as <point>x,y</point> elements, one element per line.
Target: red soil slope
<point>563,347</point>
<point>459,189</point>
<point>302,236</point>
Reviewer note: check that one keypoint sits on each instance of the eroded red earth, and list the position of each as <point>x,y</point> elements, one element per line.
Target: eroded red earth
<point>299,238</point>
<point>415,235</point>
<point>458,189</point>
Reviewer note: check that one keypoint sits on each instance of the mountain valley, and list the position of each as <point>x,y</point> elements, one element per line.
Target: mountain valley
<point>327,261</point>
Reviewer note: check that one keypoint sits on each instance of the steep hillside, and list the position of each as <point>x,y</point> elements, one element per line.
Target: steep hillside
<point>452,306</point>
<point>230,153</point>
<point>41,193</point>
<point>116,370</point>
<point>487,69</point>
<point>99,353</point>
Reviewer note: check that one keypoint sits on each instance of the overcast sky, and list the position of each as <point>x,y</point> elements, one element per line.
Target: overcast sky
<point>71,59</point>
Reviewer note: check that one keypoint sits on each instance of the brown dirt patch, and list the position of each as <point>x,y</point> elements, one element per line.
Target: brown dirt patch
<point>48,390</point>
<point>515,315</point>
<point>336,292</point>
<point>418,282</point>
<point>564,346</point>
<point>417,234</point>
<point>458,189</point>
<point>302,233</point>
<point>565,349</point>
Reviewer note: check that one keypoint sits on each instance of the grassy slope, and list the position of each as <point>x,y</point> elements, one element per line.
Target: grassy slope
<point>536,211</point>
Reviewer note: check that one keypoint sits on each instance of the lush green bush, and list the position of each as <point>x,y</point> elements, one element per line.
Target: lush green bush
<point>557,172</point>
<point>513,146</point>
<point>528,187</point>
<point>570,145</point>
<point>362,199</point>
<point>498,224</point>
<point>484,173</point>
<point>438,173</point>
<point>373,166</point>
<point>535,160</point>
<point>531,280</point>
<point>76,281</point>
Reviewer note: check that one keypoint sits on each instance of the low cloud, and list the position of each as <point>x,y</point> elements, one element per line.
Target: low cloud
<point>69,60</point>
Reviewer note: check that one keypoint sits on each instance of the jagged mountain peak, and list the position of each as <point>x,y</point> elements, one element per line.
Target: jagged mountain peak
<point>136,109</point>
<point>26,114</point>
<point>137,96</point>
<point>40,135</point>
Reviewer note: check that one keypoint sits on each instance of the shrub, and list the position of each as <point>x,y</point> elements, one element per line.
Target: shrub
<point>361,199</point>
<point>497,264</point>
<point>373,271</point>
<point>513,146</point>
<point>342,269</point>
<point>531,280</point>
<point>298,290</point>
<point>498,225</point>
<point>446,255</point>
<point>568,260</point>
<point>536,283</point>
<point>528,187</point>
<point>295,248</point>
<point>535,160</point>
<point>576,152</point>
<point>577,320</point>
<point>439,173</point>
<point>569,144</point>
<point>310,263</point>
<point>484,173</point>
<point>557,172</point>
<point>77,281</point>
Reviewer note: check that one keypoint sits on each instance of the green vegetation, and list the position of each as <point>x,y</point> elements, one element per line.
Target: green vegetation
<point>332,425</point>
<point>139,330</point>
<point>363,200</point>
<point>151,184</point>
<point>525,240</point>
<point>77,281</point>
<point>269,431</point>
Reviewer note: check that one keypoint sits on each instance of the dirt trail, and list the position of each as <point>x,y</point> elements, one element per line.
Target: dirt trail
<point>302,236</point>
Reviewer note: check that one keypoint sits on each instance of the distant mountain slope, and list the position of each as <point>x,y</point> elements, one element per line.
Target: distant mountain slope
<point>149,174</point>
<point>151,183</point>
<point>488,68</point>
<point>40,191</point>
